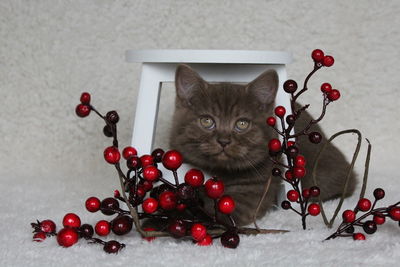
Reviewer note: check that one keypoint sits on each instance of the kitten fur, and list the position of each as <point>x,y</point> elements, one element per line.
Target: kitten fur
<point>240,158</point>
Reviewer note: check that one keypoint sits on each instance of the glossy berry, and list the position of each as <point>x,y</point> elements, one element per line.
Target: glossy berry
<point>150,205</point>
<point>194,178</point>
<point>379,219</point>
<point>107,131</point>
<point>280,111</point>
<point>181,207</point>
<point>117,193</point>
<point>129,152</point>
<point>314,209</point>
<point>328,61</point>
<point>290,119</point>
<point>285,205</point>
<point>350,229</point>
<point>315,191</point>
<point>151,173</point>
<point>292,195</point>
<point>146,160</point>
<point>172,160</point>
<point>290,143</point>
<point>157,154</point>
<point>149,229</point>
<point>185,191</point>
<point>288,175</point>
<point>290,86</point>
<point>305,193</point>
<point>230,239</point>
<point>121,225</point>
<point>198,231</point>
<point>112,116</point>
<point>349,216</point>
<point>334,95</point>
<point>177,228</point>
<point>394,213</point>
<point>315,137</point>
<point>358,236</point>
<point>226,204</point>
<point>112,155</point>
<point>379,193</point>
<point>133,162</point>
<point>109,205</point>
<point>112,246</point>
<point>71,220</point>
<point>168,200</point>
<point>85,98</point>
<point>364,204</point>
<point>92,204</point>
<point>214,188</point>
<point>299,172</point>
<point>274,145</point>
<point>102,228</point>
<point>86,230</point>
<point>276,172</point>
<point>206,241</point>
<point>326,87</point>
<point>82,110</point>
<point>300,161</point>
<point>271,121</point>
<point>317,55</point>
<point>47,226</point>
<point>67,237</point>
<point>39,237</point>
<point>369,227</point>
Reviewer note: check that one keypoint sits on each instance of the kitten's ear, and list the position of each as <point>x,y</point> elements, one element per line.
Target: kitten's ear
<point>187,82</point>
<point>264,87</point>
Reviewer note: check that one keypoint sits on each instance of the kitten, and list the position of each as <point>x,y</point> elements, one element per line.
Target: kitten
<point>220,128</point>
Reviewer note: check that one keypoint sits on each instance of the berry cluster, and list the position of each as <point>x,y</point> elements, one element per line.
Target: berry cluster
<point>368,224</point>
<point>295,165</point>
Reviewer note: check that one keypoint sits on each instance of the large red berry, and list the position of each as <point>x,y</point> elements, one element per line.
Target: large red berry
<point>129,152</point>
<point>300,161</point>
<point>290,86</point>
<point>85,98</point>
<point>214,188</point>
<point>92,204</point>
<point>146,160</point>
<point>66,237</point>
<point>150,205</point>
<point>102,228</point>
<point>349,216</point>
<point>364,204</point>
<point>280,111</point>
<point>168,200</point>
<point>271,121</point>
<point>47,226</point>
<point>82,110</point>
<point>317,55</point>
<point>326,87</point>
<point>206,241</point>
<point>71,220</point>
<point>358,236</point>
<point>292,195</point>
<point>299,172</point>
<point>274,145</point>
<point>226,204</point>
<point>394,213</point>
<point>314,209</point>
<point>194,178</point>
<point>151,173</point>
<point>172,160</point>
<point>328,61</point>
<point>334,95</point>
<point>198,231</point>
<point>112,155</point>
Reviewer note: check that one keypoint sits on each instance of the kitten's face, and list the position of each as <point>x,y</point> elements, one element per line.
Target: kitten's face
<point>221,127</point>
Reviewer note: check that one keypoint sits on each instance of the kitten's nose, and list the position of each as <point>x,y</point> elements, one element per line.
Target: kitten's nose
<point>224,141</point>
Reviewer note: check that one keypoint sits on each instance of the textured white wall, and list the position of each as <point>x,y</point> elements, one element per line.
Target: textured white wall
<point>50,51</point>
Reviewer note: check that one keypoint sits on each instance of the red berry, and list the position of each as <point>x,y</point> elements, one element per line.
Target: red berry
<point>315,191</point>
<point>379,219</point>
<point>358,236</point>
<point>394,213</point>
<point>214,188</point>
<point>314,209</point>
<point>66,237</point>
<point>172,160</point>
<point>102,228</point>
<point>290,143</point>
<point>112,246</point>
<point>326,87</point>
<point>150,205</point>
<point>306,193</point>
<point>86,230</point>
<point>288,175</point>
<point>151,173</point>
<point>364,204</point>
<point>292,195</point>
<point>271,121</point>
<point>133,162</point>
<point>146,160</point>
<point>85,98</point>
<point>299,172</point>
<point>168,200</point>
<point>109,205</point>
<point>206,241</point>
<point>129,152</point>
<point>140,192</point>
<point>122,225</point>
<point>300,161</point>
<point>177,228</point>
<point>274,145</point>
<point>39,237</point>
<point>112,155</point>
<point>349,216</point>
<point>194,178</point>
<point>146,185</point>
<point>82,110</point>
<point>116,193</point>
<point>379,193</point>
<point>226,204</point>
<point>328,61</point>
<point>149,229</point>
<point>198,231</point>
<point>71,220</point>
<point>317,55</point>
<point>290,86</point>
<point>280,111</point>
<point>181,206</point>
<point>92,204</point>
<point>47,226</point>
<point>334,95</point>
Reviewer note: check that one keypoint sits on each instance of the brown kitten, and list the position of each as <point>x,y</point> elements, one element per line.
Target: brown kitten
<point>220,128</point>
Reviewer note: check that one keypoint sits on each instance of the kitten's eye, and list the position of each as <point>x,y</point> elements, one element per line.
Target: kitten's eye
<point>207,122</point>
<point>242,125</point>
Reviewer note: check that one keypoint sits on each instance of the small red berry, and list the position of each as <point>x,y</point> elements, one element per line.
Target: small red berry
<point>149,229</point>
<point>194,178</point>
<point>172,160</point>
<point>334,95</point>
<point>349,216</point>
<point>117,193</point>
<point>146,160</point>
<point>288,175</point>
<point>112,155</point>
<point>379,193</point>
<point>274,145</point>
<point>271,121</point>
<point>82,110</point>
<point>47,226</point>
<point>71,220</point>
<point>102,228</point>
<point>379,219</point>
<point>226,204</point>
<point>122,225</point>
<point>151,173</point>
<point>150,205</point>
<point>364,204</point>
<point>317,55</point>
<point>112,246</point>
<point>66,237</point>
<point>129,152</point>
<point>280,111</point>
<point>328,61</point>
<point>290,143</point>
<point>358,236</point>
<point>168,200</point>
<point>92,204</point>
<point>306,193</point>
<point>85,98</point>
<point>326,87</point>
<point>299,172</point>
<point>300,161</point>
<point>214,188</point>
<point>315,191</point>
<point>181,206</point>
<point>146,185</point>
<point>292,195</point>
<point>198,231</point>
<point>206,241</point>
<point>394,213</point>
<point>39,237</point>
<point>314,209</point>
<point>290,86</point>
<point>177,228</point>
